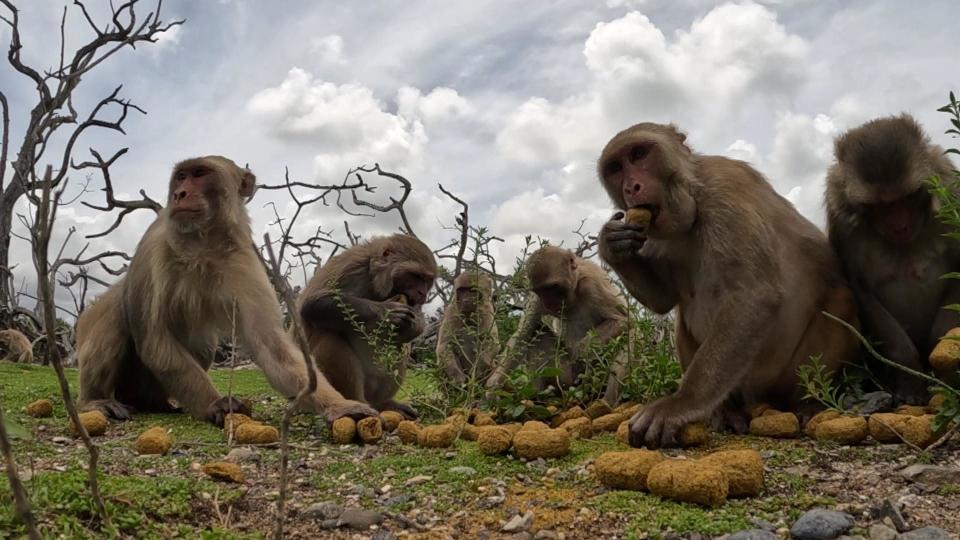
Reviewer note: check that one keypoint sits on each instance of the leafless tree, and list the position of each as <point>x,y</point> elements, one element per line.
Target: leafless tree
<point>54,107</point>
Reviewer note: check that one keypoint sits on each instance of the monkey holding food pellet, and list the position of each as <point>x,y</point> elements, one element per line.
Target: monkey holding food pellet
<point>638,216</point>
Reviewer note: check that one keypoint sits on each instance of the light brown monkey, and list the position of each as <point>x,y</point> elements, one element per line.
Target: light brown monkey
<point>152,335</point>
<point>748,274</point>
<point>351,317</point>
<point>578,293</point>
<point>468,342</point>
<point>16,346</point>
<point>881,219</point>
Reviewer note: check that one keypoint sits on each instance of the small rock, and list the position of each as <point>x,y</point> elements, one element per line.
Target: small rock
<point>879,531</point>
<point>329,524</point>
<point>762,524</point>
<point>874,402</point>
<point>359,519</point>
<point>519,523</point>
<point>891,510</point>
<point>417,480</point>
<point>926,533</point>
<point>323,510</point>
<point>466,471</point>
<point>519,536</point>
<point>753,534</point>
<point>383,534</point>
<point>397,500</point>
<point>931,474</point>
<point>242,454</point>
<point>821,524</point>
<point>61,440</point>
<point>546,535</point>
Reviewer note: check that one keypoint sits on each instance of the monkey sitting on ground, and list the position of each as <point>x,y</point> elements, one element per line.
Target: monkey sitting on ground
<point>351,315</point>
<point>580,294</point>
<point>748,274</point>
<point>881,219</point>
<point>152,335</point>
<point>468,342</point>
<point>15,347</point>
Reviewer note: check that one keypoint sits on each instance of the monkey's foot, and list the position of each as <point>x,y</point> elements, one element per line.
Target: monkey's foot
<point>111,408</point>
<point>658,424</point>
<point>393,405</point>
<point>910,390</point>
<point>730,418</point>
<point>349,408</point>
<point>220,408</point>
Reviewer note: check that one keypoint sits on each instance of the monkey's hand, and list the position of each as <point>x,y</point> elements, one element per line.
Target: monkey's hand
<point>224,406</point>
<point>620,242</point>
<point>348,407</point>
<point>657,424</point>
<point>400,316</point>
<point>403,408</point>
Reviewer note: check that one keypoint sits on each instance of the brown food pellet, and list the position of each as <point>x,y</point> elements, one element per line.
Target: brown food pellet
<point>743,469</point>
<point>844,430</point>
<point>255,433</point>
<point>41,408</point>
<point>626,470</point>
<point>224,471</point>
<point>512,427</point>
<point>439,436</point>
<point>815,420</point>
<point>234,420</point>
<point>895,428</point>
<point>484,419</point>
<point>693,435</point>
<point>569,414</point>
<point>608,422</point>
<point>534,425</point>
<point>598,408</point>
<point>343,430</point>
<point>93,421</point>
<point>946,355</point>
<point>911,410</point>
<point>155,440</point>
<point>370,429</point>
<point>638,216</point>
<point>578,428</point>
<point>623,432</point>
<point>628,409</point>
<point>780,426</point>
<point>470,432</point>
<point>757,409</point>
<point>408,431</point>
<point>494,440</point>
<point>543,443</point>
<point>391,419</point>
<point>936,402</point>
<point>689,481</point>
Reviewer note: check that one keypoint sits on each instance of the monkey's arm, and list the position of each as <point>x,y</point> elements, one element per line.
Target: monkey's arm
<point>178,371</point>
<point>338,311</point>
<point>531,322</point>
<point>446,356</point>
<point>646,279</point>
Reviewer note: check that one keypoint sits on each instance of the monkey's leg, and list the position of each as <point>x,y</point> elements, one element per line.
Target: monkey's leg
<point>102,348</point>
<point>380,388</point>
<point>618,372</point>
<point>826,338</point>
<point>139,387</point>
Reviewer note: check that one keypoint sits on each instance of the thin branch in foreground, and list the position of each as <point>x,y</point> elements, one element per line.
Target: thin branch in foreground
<point>21,502</point>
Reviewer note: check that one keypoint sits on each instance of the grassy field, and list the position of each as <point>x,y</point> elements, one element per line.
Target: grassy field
<point>422,493</point>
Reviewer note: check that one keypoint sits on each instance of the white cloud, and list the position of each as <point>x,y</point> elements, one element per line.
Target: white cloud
<point>630,4</point>
<point>167,41</point>
<point>328,49</point>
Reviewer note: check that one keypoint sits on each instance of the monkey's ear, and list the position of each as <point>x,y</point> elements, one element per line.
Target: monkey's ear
<point>248,184</point>
<point>386,253</point>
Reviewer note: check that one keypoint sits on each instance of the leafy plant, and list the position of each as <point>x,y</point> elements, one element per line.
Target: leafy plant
<point>818,384</point>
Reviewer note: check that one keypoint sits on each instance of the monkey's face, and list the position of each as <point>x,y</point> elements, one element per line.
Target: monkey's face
<point>554,297</point>
<point>414,284</point>
<point>468,298</point>
<point>899,221</point>
<point>645,170</point>
<point>205,191</point>
<point>552,273</point>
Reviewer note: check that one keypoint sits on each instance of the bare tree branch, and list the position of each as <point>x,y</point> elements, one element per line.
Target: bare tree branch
<point>395,204</point>
<point>126,207</point>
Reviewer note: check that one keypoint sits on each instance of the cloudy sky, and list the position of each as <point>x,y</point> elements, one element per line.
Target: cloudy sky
<point>505,103</point>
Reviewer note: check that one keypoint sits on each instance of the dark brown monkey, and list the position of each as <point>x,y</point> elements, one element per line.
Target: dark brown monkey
<point>468,342</point>
<point>15,347</point>
<point>348,303</point>
<point>881,221</point>
<point>152,335</point>
<point>748,274</point>
<point>578,293</point>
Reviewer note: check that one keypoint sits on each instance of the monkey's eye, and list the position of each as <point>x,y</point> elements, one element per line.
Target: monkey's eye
<point>180,176</point>
<point>200,171</point>
<point>612,168</point>
<point>639,152</point>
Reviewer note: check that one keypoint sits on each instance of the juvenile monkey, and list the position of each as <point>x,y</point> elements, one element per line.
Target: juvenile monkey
<point>580,294</point>
<point>748,275</point>
<point>152,335</point>
<point>881,220</point>
<point>467,341</point>
<point>350,299</point>
<point>15,346</point>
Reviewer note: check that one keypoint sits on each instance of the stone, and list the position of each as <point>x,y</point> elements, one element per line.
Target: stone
<point>519,523</point>
<point>546,535</point>
<point>323,510</point>
<point>931,474</point>
<point>753,534</point>
<point>465,471</point>
<point>419,479</point>
<point>383,534</point>
<point>891,510</point>
<point>926,533</point>
<point>874,402</point>
<point>880,531</point>
<point>821,524</point>
<point>358,518</point>
<point>221,470</point>
<point>242,454</point>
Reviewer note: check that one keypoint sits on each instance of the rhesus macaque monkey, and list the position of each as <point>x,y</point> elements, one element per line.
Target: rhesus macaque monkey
<point>580,294</point>
<point>881,221</point>
<point>748,274</point>
<point>349,301</point>
<point>15,347</point>
<point>152,335</point>
<point>468,342</point>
